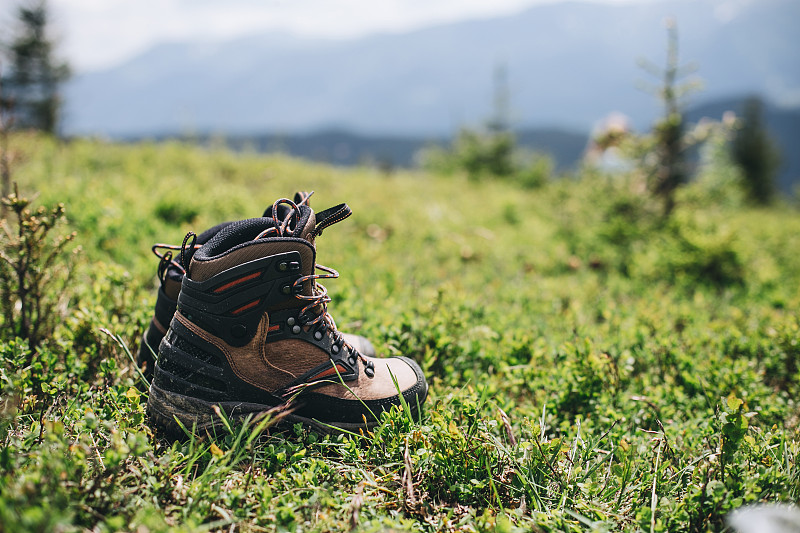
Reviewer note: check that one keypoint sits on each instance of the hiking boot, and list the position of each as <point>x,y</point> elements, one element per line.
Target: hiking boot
<point>170,274</point>
<point>252,332</point>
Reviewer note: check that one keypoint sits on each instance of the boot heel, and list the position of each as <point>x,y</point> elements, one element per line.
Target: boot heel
<point>166,409</point>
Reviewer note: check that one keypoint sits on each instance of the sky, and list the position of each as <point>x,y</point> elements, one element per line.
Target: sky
<point>94,34</point>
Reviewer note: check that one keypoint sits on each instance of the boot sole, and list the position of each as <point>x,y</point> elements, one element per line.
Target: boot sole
<point>168,411</point>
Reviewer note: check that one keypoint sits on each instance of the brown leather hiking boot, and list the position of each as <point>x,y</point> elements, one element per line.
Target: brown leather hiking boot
<point>170,276</point>
<point>252,332</point>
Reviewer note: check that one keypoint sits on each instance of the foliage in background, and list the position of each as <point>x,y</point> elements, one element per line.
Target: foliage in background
<point>32,74</point>
<point>591,367</point>
<point>718,180</point>
<point>755,153</point>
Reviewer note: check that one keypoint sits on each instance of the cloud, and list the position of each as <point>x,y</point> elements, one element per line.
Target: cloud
<point>100,33</point>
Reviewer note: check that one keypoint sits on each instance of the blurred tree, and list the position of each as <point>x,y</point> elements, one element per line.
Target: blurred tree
<point>755,153</point>
<point>491,151</point>
<point>500,121</point>
<point>668,169</point>
<point>482,152</point>
<point>33,74</point>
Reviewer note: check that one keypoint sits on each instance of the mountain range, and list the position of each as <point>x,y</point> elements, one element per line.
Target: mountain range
<point>566,148</point>
<point>567,65</point>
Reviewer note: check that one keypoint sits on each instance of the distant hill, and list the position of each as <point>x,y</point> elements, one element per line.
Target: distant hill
<point>569,64</point>
<point>341,147</point>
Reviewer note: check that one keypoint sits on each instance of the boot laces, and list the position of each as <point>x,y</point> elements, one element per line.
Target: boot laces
<point>167,259</point>
<point>317,306</point>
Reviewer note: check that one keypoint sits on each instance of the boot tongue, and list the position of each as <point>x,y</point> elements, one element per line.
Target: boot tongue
<point>305,227</point>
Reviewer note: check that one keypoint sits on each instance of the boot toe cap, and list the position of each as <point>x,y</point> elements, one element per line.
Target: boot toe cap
<point>368,397</point>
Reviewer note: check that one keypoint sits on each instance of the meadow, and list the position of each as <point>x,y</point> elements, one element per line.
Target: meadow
<point>593,366</point>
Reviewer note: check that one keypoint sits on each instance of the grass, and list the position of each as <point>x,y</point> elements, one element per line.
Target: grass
<point>591,367</point>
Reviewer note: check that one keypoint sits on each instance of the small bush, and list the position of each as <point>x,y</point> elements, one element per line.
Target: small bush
<point>176,212</point>
<point>484,155</point>
<point>478,154</point>
<point>690,255</point>
<point>533,170</point>
<point>34,269</point>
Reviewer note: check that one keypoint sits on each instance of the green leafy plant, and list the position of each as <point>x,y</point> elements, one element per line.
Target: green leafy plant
<point>34,269</point>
